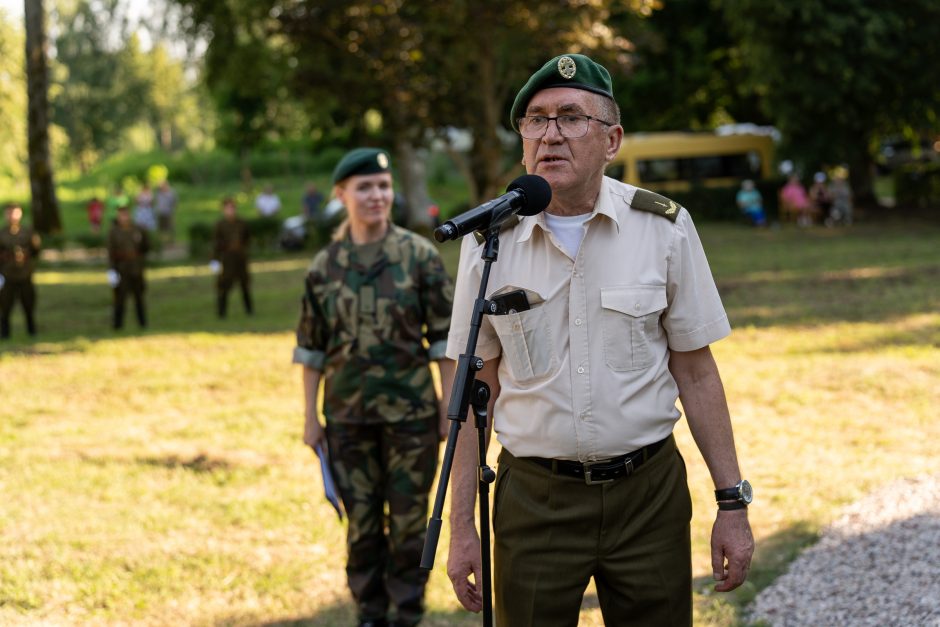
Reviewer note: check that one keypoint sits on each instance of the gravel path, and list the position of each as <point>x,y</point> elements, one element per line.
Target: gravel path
<point>878,564</point>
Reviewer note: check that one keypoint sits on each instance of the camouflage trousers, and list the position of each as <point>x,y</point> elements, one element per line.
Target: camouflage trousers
<point>384,473</point>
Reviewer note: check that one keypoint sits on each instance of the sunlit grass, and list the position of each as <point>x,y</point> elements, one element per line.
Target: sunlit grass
<point>159,478</point>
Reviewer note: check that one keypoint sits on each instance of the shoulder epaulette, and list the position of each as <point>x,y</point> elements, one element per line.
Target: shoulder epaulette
<point>509,223</point>
<point>645,200</point>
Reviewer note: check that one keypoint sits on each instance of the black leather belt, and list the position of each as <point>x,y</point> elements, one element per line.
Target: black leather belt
<point>603,471</point>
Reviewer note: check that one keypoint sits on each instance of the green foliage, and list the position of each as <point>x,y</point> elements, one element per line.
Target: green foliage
<point>200,240</point>
<point>918,185</point>
<point>686,71</point>
<point>12,100</point>
<point>833,76</point>
<point>91,240</point>
<point>105,85</point>
<point>100,88</point>
<point>157,173</point>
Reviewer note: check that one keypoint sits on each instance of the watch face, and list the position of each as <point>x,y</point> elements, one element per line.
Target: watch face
<point>747,493</point>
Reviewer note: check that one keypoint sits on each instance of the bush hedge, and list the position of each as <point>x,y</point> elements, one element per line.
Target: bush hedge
<point>917,185</point>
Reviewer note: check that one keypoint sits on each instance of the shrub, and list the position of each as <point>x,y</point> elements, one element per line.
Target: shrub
<point>917,185</point>
<point>91,240</point>
<point>200,240</point>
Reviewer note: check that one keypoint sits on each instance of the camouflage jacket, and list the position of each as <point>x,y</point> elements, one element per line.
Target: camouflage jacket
<point>18,252</point>
<point>126,249</point>
<point>373,330</point>
<point>230,238</point>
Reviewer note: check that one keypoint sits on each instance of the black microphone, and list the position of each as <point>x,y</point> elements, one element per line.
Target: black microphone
<point>527,195</point>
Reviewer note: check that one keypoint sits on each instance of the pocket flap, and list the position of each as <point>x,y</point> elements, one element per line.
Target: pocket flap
<point>636,300</point>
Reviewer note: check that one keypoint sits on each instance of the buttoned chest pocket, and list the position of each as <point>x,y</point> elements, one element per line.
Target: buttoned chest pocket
<point>630,319</point>
<point>527,345</point>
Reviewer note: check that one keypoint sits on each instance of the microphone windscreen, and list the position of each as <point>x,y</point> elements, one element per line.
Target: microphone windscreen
<point>537,192</point>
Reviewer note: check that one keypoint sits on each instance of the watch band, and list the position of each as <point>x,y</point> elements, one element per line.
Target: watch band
<point>728,494</point>
<point>731,505</point>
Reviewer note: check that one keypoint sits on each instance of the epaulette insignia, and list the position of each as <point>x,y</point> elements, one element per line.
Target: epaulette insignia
<point>509,223</point>
<point>645,200</point>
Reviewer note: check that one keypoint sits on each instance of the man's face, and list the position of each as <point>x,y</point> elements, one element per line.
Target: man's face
<point>570,164</point>
<point>228,210</point>
<point>14,215</point>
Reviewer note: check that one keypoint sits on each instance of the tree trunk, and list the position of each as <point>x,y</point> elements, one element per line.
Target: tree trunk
<point>45,207</point>
<point>412,170</point>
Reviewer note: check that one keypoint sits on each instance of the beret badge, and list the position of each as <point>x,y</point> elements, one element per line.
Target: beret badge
<point>382,160</point>
<point>567,67</point>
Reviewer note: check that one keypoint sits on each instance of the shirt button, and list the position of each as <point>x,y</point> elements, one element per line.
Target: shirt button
<point>637,306</point>
<point>577,322</point>
<point>580,369</point>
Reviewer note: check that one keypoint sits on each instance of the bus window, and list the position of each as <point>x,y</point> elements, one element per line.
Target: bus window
<point>676,161</point>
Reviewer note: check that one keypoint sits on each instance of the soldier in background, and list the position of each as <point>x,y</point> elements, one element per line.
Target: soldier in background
<point>230,255</point>
<point>372,297</point>
<point>128,244</point>
<point>19,248</point>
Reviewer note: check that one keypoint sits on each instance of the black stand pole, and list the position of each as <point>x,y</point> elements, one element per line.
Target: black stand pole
<point>467,391</point>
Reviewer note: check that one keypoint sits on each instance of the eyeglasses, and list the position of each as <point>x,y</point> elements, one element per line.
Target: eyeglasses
<point>570,126</point>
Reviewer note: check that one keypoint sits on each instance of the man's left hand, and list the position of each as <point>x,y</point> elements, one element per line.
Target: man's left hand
<point>732,547</point>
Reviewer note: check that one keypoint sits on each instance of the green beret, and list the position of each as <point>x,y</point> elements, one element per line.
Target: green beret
<point>567,70</point>
<point>361,161</point>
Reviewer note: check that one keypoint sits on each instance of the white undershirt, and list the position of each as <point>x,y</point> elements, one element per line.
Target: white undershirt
<point>568,230</point>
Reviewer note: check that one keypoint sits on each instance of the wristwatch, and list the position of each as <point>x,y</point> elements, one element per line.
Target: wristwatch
<point>736,497</point>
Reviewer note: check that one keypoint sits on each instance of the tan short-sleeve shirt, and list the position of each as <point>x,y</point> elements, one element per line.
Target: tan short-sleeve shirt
<point>584,372</point>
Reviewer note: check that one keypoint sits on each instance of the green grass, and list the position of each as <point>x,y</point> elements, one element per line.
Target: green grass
<point>158,478</point>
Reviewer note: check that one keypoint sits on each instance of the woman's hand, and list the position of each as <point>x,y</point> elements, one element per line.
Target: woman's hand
<point>314,434</point>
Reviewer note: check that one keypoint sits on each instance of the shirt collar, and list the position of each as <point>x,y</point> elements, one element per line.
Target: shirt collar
<point>603,206</point>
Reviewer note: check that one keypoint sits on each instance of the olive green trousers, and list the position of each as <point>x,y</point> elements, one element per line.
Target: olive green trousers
<point>553,532</point>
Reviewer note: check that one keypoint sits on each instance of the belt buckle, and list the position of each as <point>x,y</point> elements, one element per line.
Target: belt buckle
<point>628,466</point>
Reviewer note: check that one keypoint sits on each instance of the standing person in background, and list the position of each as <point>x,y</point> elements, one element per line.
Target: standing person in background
<point>143,209</point>
<point>841,210</point>
<point>312,202</point>
<point>618,309</point>
<point>19,249</point>
<point>372,298</point>
<point>95,209</point>
<point>268,203</point>
<point>128,245</point>
<point>751,203</point>
<point>794,201</point>
<point>165,204</point>
<point>819,196</point>
<point>230,257</point>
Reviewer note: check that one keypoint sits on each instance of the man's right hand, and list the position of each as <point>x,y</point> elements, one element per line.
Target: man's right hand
<point>464,560</point>
<point>314,433</point>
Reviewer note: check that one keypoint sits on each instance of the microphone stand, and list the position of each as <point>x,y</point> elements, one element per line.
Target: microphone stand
<point>467,391</point>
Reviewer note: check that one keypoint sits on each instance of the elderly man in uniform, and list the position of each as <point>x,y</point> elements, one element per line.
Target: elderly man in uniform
<point>621,311</point>
<point>127,246</point>
<point>19,248</point>
<point>230,257</point>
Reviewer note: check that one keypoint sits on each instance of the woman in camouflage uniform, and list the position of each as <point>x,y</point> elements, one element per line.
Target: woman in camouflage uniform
<point>375,313</point>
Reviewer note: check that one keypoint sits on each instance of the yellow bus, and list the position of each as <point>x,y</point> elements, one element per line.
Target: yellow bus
<point>675,161</point>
